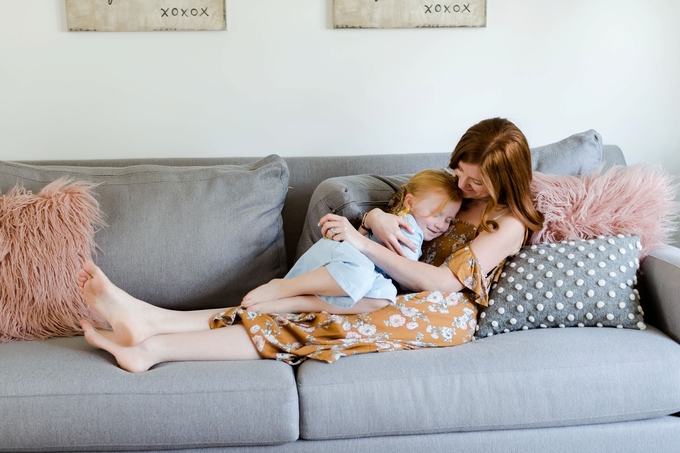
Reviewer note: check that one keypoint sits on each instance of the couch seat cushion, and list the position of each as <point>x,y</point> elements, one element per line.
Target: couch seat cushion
<point>182,237</point>
<point>524,379</point>
<point>62,395</point>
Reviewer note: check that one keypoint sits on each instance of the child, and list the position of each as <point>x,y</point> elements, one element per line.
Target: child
<point>429,201</point>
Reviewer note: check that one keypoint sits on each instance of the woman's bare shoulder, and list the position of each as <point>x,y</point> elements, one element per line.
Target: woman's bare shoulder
<point>508,237</point>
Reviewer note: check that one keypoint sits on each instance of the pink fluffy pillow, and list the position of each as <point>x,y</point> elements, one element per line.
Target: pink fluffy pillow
<point>44,240</point>
<point>636,200</point>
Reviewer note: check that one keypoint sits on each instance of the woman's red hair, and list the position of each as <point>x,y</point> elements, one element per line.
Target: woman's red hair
<point>502,153</point>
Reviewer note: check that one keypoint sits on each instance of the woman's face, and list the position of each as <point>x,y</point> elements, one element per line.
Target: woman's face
<point>470,181</point>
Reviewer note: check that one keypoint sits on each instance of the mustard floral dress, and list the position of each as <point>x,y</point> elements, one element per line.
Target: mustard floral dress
<point>418,320</point>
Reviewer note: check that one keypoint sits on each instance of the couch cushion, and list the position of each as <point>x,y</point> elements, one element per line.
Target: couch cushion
<point>182,237</point>
<point>525,379</point>
<point>70,397</point>
<point>578,154</point>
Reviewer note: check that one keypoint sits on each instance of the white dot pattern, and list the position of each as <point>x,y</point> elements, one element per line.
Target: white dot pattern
<point>571,284</point>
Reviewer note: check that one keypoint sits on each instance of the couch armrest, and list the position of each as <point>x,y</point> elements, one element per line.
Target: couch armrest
<point>659,287</point>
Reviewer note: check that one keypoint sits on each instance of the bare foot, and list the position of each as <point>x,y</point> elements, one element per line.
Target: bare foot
<point>264,293</point>
<point>134,359</point>
<point>128,317</point>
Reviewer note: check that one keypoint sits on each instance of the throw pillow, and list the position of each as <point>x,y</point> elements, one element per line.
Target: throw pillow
<point>183,237</point>
<point>44,240</point>
<point>576,283</point>
<point>577,154</point>
<point>636,200</point>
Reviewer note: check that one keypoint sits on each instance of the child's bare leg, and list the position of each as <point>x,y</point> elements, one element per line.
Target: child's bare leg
<point>319,281</point>
<point>307,304</point>
<point>227,343</point>
<point>131,319</point>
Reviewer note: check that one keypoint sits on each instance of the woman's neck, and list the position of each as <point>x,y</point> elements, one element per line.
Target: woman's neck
<point>472,210</point>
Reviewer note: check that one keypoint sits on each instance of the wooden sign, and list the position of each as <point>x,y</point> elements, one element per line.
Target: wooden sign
<point>146,15</point>
<point>408,13</point>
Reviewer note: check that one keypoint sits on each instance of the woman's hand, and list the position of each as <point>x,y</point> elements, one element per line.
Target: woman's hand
<point>338,228</point>
<point>387,229</point>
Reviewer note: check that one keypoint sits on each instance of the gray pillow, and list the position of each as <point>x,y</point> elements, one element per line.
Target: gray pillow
<point>568,284</point>
<point>578,154</point>
<point>182,237</point>
<point>348,196</point>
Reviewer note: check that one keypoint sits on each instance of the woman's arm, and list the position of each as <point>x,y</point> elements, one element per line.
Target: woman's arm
<point>413,275</point>
<point>489,248</point>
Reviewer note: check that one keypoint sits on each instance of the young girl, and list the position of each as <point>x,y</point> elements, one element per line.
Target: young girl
<point>429,202</point>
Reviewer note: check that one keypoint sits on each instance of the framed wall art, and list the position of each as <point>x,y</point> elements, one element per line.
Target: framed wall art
<point>146,15</point>
<point>408,13</point>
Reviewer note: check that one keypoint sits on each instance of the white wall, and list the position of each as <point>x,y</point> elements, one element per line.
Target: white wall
<point>282,80</point>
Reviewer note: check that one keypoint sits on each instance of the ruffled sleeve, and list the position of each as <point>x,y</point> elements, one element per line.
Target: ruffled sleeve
<point>464,265</point>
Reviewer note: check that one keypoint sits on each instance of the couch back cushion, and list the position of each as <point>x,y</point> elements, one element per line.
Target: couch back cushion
<point>182,237</point>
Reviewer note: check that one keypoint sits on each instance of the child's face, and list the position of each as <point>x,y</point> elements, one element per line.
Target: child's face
<point>426,210</point>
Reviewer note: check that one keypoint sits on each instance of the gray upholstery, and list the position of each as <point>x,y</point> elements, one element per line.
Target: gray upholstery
<point>659,435</point>
<point>510,381</point>
<point>660,289</point>
<point>562,390</point>
<point>62,395</point>
<point>160,216</point>
<point>575,155</point>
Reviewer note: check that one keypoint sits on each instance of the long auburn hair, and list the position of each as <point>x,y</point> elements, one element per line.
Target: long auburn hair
<point>502,153</point>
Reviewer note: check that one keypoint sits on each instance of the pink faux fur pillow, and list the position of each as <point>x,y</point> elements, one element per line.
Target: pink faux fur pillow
<point>636,200</point>
<point>44,240</point>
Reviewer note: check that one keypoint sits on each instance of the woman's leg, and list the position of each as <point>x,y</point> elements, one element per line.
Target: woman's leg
<point>226,343</point>
<point>131,319</point>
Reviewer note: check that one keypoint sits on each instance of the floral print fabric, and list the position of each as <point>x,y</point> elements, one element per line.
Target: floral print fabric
<point>417,320</point>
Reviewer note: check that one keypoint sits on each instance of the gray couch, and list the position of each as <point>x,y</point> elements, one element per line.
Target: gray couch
<point>557,390</point>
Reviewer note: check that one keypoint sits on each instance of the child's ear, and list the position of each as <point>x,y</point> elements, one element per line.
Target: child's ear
<point>408,201</point>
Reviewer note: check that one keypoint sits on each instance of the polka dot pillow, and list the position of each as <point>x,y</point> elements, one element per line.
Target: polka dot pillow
<point>568,284</point>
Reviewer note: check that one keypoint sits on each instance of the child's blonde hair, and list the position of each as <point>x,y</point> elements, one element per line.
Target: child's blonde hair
<point>426,181</point>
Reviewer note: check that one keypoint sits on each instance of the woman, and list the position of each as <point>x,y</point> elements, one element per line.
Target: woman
<point>493,164</point>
